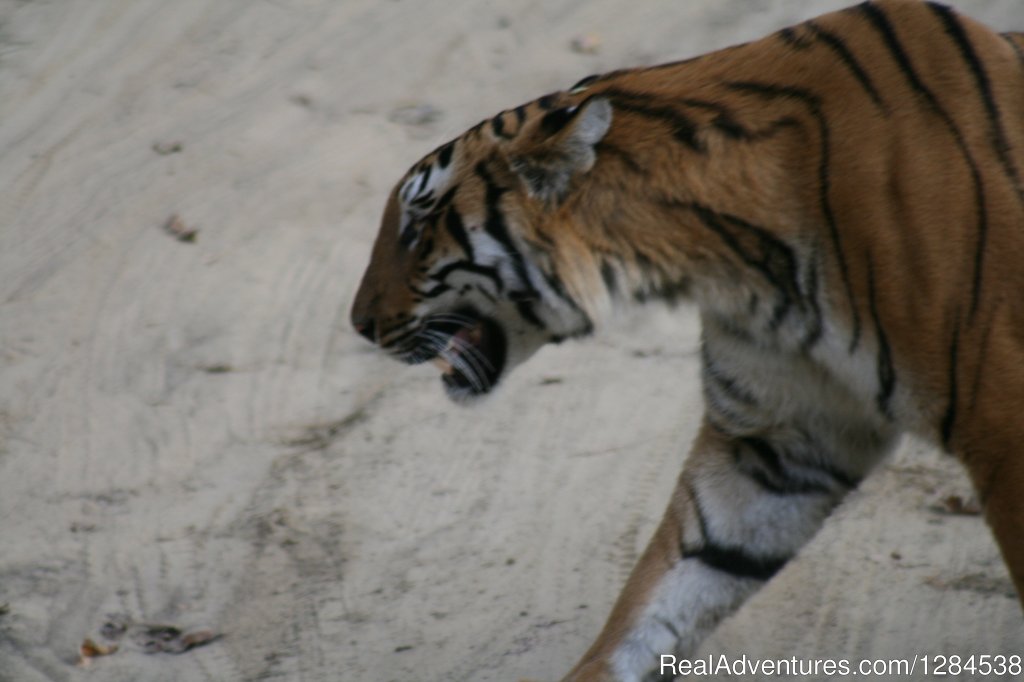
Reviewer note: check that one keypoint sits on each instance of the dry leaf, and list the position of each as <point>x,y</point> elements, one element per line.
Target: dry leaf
<point>90,650</point>
<point>957,505</point>
<point>167,639</point>
<point>199,638</point>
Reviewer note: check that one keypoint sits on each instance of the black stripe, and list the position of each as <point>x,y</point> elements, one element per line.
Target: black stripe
<point>790,37</point>
<point>886,373</point>
<point>520,113</point>
<point>949,418</point>
<point>424,177</point>
<point>384,333</point>
<point>1016,41</point>
<point>818,463</point>
<point>475,130</point>
<point>456,228</point>
<point>427,247</point>
<point>498,125</point>
<point>838,46</point>
<point>735,331</point>
<point>813,105</point>
<point>811,286</point>
<point>736,561</point>
<point>683,129</point>
<point>605,149</point>
<point>526,311</point>
<point>956,31</point>
<point>523,295</point>
<point>726,123</point>
<point>446,198</point>
<point>423,202</point>
<point>547,101</point>
<point>713,372</point>
<point>775,260</point>
<point>838,475</point>
<point>444,155</point>
<point>881,24</point>
<point>554,282</point>
<point>433,292</point>
<point>771,256</point>
<point>408,235</point>
<point>726,414</point>
<point>770,472</point>
<point>483,292</point>
<point>884,28</point>
<point>735,130</point>
<point>471,267</point>
<point>608,276</point>
<point>981,346</point>
<point>545,239</point>
<point>659,284</point>
<point>494,224</point>
<point>733,560</point>
<point>555,120</point>
<point>584,82</point>
<point>670,626</point>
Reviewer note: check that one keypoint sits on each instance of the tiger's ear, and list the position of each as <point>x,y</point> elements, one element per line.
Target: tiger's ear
<point>559,147</point>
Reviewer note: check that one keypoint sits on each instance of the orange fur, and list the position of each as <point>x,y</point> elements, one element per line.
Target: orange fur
<point>881,147</point>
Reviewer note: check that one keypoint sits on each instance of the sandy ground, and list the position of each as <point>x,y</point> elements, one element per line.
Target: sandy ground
<point>191,435</point>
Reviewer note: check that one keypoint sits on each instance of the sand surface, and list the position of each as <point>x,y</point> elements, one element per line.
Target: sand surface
<point>191,435</point>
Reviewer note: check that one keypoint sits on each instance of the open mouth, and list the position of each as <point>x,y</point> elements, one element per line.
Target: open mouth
<point>473,353</point>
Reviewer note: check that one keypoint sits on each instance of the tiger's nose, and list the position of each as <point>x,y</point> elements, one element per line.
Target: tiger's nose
<point>366,327</point>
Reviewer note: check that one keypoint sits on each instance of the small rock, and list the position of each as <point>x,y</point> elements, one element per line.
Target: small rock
<point>588,43</point>
<point>415,114</point>
<point>177,228</point>
<point>167,148</point>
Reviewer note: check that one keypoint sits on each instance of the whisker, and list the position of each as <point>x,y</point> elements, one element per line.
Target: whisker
<point>468,348</point>
<point>467,360</point>
<point>459,362</point>
<point>455,318</point>
<point>470,363</point>
<point>424,342</point>
<point>418,348</point>
<point>397,336</point>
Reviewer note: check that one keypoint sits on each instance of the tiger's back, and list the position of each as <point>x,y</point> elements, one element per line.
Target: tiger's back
<point>844,201</point>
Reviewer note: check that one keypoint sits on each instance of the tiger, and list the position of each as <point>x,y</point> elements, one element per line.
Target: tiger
<point>842,201</point>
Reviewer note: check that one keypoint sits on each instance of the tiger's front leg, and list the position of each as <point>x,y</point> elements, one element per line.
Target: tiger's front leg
<point>742,508</point>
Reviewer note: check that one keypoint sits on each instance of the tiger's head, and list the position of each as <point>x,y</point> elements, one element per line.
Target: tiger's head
<point>465,267</point>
